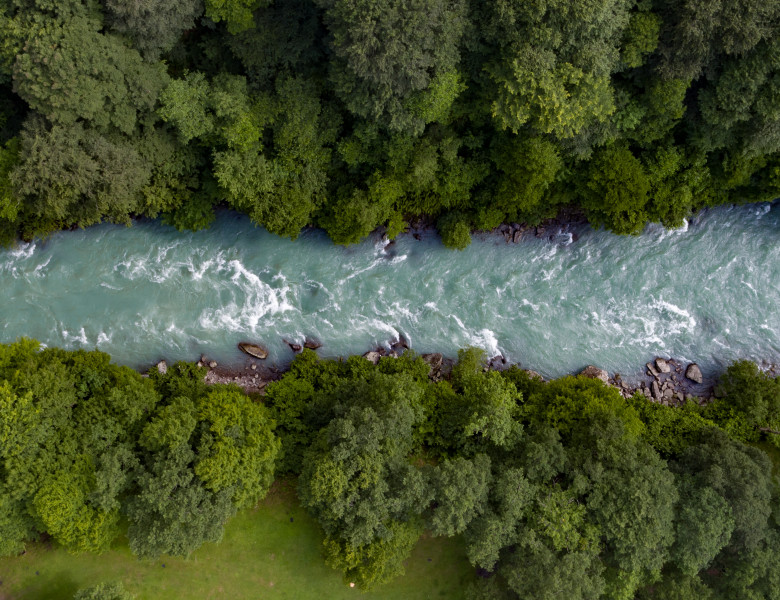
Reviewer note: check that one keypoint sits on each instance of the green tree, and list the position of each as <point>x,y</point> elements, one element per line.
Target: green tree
<point>96,77</point>
<point>357,479</point>
<point>70,174</point>
<point>237,447</point>
<point>549,62</point>
<point>529,167</point>
<point>460,492</point>
<point>173,512</point>
<point>237,14</point>
<point>748,403</point>
<point>741,475</point>
<point>616,190</point>
<point>154,26</point>
<point>392,60</point>
<point>703,527</point>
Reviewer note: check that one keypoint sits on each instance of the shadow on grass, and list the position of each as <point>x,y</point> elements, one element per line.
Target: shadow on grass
<point>46,586</point>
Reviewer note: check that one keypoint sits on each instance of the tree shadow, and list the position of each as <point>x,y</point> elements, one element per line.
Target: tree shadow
<point>58,585</point>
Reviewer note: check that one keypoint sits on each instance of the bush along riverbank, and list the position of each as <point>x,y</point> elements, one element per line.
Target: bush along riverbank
<point>557,489</point>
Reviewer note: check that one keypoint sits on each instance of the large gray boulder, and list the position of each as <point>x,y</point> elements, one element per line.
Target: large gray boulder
<point>254,350</point>
<point>662,365</point>
<point>693,372</point>
<point>372,357</point>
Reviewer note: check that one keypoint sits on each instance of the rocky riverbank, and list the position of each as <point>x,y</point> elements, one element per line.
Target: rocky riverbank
<point>667,381</point>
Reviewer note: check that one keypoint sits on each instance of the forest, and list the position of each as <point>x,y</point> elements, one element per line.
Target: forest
<point>353,115</point>
<point>559,489</point>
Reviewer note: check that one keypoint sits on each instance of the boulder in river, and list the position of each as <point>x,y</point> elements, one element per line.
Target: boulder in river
<point>253,350</point>
<point>595,373</point>
<point>293,346</point>
<point>662,365</point>
<point>400,344</point>
<point>312,344</point>
<point>693,372</point>
<point>372,357</point>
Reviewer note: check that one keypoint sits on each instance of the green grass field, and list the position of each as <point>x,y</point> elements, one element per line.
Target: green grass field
<point>271,552</point>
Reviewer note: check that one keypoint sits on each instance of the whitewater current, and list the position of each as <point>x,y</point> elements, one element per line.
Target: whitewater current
<point>708,292</point>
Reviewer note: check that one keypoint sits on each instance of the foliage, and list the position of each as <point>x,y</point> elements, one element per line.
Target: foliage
<point>104,591</point>
<point>560,488</point>
<point>86,443</point>
<point>353,115</point>
<point>748,403</point>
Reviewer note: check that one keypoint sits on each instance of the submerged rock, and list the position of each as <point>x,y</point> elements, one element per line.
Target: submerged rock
<point>595,373</point>
<point>693,372</point>
<point>312,344</point>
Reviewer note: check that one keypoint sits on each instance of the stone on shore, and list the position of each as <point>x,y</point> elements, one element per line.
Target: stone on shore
<point>435,360</point>
<point>651,370</point>
<point>595,373</point>
<point>162,367</point>
<point>213,364</point>
<point>533,374</point>
<point>662,365</point>
<point>254,350</point>
<point>655,390</point>
<point>693,372</point>
<point>312,344</point>
<point>372,357</point>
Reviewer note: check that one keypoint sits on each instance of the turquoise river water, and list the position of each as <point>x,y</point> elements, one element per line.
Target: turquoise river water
<point>708,292</point>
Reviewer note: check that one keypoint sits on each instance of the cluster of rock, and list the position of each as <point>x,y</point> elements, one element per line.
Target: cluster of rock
<point>396,348</point>
<point>666,382</point>
<point>513,232</point>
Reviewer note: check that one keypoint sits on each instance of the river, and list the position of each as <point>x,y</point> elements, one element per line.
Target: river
<point>708,292</point>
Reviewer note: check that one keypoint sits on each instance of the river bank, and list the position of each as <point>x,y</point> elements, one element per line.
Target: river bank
<point>665,380</point>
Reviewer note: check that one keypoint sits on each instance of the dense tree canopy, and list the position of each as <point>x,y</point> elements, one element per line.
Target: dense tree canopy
<point>358,114</point>
<point>86,444</point>
<point>555,489</point>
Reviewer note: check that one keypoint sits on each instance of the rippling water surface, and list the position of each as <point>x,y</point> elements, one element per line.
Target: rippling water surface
<point>708,292</point>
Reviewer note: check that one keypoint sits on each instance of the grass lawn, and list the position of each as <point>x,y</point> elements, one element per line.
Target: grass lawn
<point>271,552</point>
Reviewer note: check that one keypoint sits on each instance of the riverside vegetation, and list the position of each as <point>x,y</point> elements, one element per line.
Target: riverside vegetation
<point>556,489</point>
<point>355,114</point>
